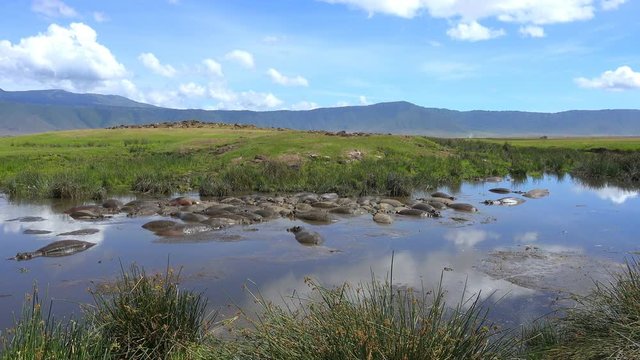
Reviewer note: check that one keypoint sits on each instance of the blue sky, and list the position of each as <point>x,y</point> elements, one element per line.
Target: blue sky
<point>530,55</point>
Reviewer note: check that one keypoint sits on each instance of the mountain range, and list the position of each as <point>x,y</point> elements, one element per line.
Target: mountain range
<point>48,110</point>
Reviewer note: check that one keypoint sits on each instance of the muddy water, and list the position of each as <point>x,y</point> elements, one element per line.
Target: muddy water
<point>525,257</point>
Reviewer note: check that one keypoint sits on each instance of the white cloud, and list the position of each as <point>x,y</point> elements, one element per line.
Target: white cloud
<point>363,100</point>
<point>532,31</point>
<point>242,57</point>
<point>213,67</point>
<point>469,238</point>
<point>304,105</point>
<point>69,58</point>
<point>622,78</point>
<point>611,4</point>
<point>527,237</point>
<point>192,90</point>
<point>152,63</point>
<point>278,78</point>
<point>53,8</point>
<point>100,16</point>
<point>272,39</point>
<point>473,31</point>
<point>249,100</point>
<point>535,12</point>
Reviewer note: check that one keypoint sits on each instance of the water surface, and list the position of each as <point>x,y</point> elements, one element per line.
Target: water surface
<point>581,233</point>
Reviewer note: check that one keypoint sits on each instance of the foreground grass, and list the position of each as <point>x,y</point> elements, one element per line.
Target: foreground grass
<point>149,317</point>
<point>223,160</point>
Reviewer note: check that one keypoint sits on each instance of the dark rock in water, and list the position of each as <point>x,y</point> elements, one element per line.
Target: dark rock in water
<point>112,204</point>
<point>463,207</point>
<point>57,248</point>
<point>28,219</point>
<point>382,218</point>
<point>305,237</point>
<point>157,225</point>
<point>536,193</point>
<point>500,190</point>
<point>80,232</point>
<point>442,195</point>
<point>317,216</point>
<point>36,232</point>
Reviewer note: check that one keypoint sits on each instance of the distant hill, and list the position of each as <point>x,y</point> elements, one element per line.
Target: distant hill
<point>47,110</point>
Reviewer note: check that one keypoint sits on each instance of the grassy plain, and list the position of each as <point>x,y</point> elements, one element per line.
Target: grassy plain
<point>223,159</point>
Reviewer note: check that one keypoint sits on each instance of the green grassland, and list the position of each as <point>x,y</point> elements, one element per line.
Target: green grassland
<point>577,143</point>
<point>225,159</point>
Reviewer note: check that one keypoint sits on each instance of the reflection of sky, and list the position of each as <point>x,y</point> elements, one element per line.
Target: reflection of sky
<point>467,238</point>
<point>611,193</point>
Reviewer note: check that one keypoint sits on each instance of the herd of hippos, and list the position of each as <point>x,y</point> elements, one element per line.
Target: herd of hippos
<point>197,217</point>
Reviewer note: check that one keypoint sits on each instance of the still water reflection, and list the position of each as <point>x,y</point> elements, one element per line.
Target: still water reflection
<point>576,234</point>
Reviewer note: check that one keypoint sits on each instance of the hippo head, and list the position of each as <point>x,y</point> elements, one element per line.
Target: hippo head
<point>295,229</point>
<point>23,256</point>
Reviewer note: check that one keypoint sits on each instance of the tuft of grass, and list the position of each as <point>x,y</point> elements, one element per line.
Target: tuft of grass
<point>604,325</point>
<point>372,321</point>
<point>36,336</point>
<point>149,317</point>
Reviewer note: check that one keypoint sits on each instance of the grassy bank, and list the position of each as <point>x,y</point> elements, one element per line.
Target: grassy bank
<point>222,160</point>
<point>150,317</point>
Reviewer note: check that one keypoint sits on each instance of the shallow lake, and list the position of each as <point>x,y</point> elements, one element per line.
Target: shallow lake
<point>525,258</point>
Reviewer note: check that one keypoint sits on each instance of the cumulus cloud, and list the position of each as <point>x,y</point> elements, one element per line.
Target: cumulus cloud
<point>473,31</point>
<point>278,78</point>
<point>152,63</point>
<point>251,100</point>
<point>241,57</point>
<point>532,31</point>
<point>622,78</point>
<point>66,57</point>
<point>192,90</point>
<point>213,67</point>
<point>363,100</point>
<point>53,8</point>
<point>611,4</point>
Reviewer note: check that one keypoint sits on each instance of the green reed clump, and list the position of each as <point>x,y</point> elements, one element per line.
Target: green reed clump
<point>372,321</point>
<point>37,336</point>
<point>28,185</point>
<point>159,183</point>
<point>604,325</point>
<point>149,317</point>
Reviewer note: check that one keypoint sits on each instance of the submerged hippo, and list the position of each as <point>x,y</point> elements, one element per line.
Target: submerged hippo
<point>506,201</point>
<point>500,190</point>
<point>305,237</point>
<point>536,193</point>
<point>56,248</point>
<point>80,232</point>
<point>463,207</point>
<point>415,212</point>
<point>442,195</point>
<point>158,225</point>
<point>382,218</point>
<point>317,216</point>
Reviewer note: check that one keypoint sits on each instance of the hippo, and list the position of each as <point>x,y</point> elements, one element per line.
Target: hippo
<point>324,205</point>
<point>36,232</point>
<point>506,201</point>
<point>424,207</point>
<point>442,195</point>
<point>112,204</point>
<point>500,190</point>
<point>267,213</point>
<point>329,197</point>
<point>347,210</point>
<point>445,201</point>
<point>536,193</point>
<point>184,229</point>
<point>28,219</point>
<point>158,225</point>
<point>188,217</point>
<point>219,223</point>
<point>439,205</point>
<point>56,248</point>
<point>317,216</point>
<point>182,201</point>
<point>463,207</point>
<point>392,202</point>
<point>305,237</point>
<point>80,232</point>
<point>86,215</point>
<point>382,218</point>
<point>413,212</point>
<point>92,208</point>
